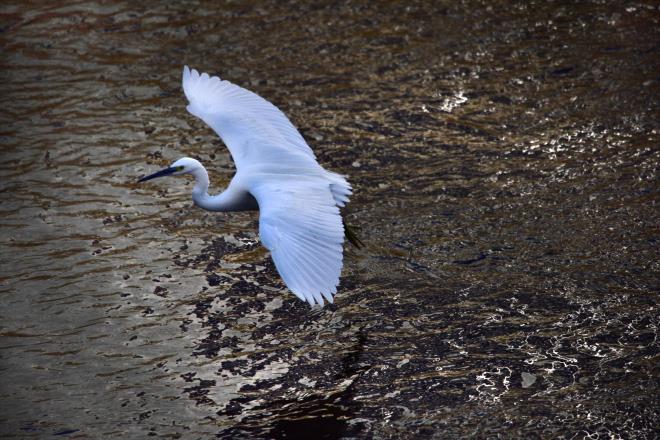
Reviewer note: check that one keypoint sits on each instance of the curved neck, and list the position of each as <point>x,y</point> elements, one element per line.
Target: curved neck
<point>231,199</point>
<point>201,181</point>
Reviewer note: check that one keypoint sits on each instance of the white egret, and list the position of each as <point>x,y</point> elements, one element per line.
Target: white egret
<point>277,174</point>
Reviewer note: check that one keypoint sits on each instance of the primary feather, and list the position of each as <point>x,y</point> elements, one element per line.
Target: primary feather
<point>298,200</point>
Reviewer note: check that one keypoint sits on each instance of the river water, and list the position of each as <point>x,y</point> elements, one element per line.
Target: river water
<point>504,157</point>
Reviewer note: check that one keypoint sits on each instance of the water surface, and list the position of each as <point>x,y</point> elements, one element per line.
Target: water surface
<point>504,158</point>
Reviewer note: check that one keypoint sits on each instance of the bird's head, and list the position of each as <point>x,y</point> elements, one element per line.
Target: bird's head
<point>185,165</point>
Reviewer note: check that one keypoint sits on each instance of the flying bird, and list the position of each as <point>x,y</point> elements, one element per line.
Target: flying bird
<point>277,174</point>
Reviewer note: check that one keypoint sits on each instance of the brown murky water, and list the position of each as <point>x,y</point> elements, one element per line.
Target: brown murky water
<point>505,160</point>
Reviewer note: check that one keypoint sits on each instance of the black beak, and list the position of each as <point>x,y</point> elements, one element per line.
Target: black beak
<point>161,173</point>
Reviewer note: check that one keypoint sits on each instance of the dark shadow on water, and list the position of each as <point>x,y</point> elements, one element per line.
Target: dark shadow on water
<point>322,417</point>
<point>318,416</point>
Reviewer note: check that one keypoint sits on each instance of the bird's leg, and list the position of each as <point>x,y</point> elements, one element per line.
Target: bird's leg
<point>349,233</point>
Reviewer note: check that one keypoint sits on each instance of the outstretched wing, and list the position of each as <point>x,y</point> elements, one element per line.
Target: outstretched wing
<point>301,226</point>
<point>254,130</point>
<point>298,200</point>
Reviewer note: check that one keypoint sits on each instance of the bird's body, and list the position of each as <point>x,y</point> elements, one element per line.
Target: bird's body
<point>276,173</point>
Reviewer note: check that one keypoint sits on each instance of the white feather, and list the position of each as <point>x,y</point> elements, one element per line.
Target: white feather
<point>243,119</point>
<point>298,200</point>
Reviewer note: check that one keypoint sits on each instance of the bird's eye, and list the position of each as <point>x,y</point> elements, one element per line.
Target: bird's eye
<point>179,168</point>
